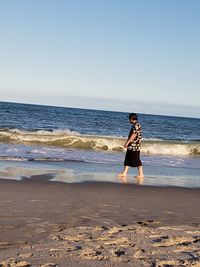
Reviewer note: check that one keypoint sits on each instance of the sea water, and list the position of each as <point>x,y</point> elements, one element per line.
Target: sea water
<point>78,145</point>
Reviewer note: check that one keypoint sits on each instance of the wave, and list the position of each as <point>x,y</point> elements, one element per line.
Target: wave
<point>68,139</point>
<point>46,159</point>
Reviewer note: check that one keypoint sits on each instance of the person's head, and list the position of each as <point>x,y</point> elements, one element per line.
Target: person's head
<point>132,117</point>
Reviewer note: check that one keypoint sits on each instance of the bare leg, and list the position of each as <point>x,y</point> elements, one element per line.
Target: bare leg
<point>124,173</point>
<point>140,172</point>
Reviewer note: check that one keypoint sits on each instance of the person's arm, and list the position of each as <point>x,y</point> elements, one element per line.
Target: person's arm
<point>129,140</point>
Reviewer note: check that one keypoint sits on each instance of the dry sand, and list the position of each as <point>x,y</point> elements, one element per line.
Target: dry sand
<point>46,223</point>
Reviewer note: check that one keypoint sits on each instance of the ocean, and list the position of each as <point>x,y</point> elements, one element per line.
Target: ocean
<point>80,145</point>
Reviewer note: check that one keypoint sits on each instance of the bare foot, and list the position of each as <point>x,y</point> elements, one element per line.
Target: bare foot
<point>122,175</point>
<point>139,176</point>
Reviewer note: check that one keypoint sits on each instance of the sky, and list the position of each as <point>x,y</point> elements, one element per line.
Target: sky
<point>124,55</point>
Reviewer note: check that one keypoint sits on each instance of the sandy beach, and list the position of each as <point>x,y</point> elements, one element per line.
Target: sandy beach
<point>46,223</point>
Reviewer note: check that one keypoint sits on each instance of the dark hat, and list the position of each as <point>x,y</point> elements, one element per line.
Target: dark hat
<point>133,116</point>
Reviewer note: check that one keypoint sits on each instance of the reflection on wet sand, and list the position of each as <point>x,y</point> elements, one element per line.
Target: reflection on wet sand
<point>139,179</point>
<point>123,178</point>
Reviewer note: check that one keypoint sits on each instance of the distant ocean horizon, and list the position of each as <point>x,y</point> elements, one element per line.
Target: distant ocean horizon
<point>59,137</point>
<point>104,109</point>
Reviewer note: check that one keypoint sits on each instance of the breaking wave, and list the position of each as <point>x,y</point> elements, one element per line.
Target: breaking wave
<point>69,139</point>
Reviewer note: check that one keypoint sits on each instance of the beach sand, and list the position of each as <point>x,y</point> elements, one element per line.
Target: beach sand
<point>45,223</point>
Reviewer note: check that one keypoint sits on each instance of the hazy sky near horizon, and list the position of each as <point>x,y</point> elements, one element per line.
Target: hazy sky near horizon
<point>132,55</point>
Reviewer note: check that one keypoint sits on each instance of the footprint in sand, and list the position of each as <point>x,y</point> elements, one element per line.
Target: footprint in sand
<point>173,241</point>
<point>163,263</point>
<point>173,263</point>
<point>49,265</point>
<point>92,254</point>
<point>25,256</point>
<point>14,262</point>
<point>119,253</point>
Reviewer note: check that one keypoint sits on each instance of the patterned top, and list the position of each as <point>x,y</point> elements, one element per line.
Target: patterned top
<point>135,129</point>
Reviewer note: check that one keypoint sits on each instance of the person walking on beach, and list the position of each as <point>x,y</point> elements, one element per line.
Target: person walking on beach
<point>132,158</point>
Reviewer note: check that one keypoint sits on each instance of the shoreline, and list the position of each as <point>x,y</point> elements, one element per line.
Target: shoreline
<point>97,223</point>
<point>84,172</point>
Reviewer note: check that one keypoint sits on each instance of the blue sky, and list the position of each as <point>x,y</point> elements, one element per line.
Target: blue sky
<point>141,56</point>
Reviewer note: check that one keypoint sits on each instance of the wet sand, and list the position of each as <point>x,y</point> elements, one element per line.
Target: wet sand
<point>45,223</point>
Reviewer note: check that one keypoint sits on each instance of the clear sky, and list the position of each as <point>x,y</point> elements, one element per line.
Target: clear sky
<point>126,55</point>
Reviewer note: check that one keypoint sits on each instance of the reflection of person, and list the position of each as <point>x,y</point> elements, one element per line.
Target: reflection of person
<point>139,179</point>
<point>132,144</point>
